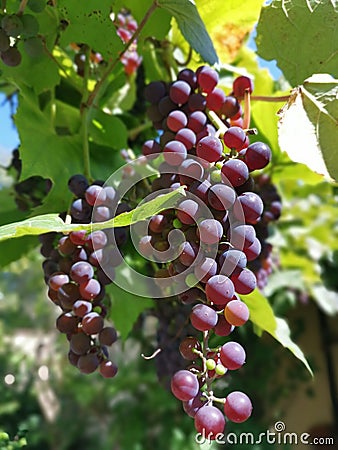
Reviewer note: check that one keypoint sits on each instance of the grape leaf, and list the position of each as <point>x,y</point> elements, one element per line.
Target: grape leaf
<point>126,308</point>
<point>108,130</point>
<point>308,125</point>
<point>301,36</point>
<point>192,27</point>
<point>84,23</point>
<point>262,315</point>
<point>229,24</point>
<point>52,222</point>
<point>44,152</point>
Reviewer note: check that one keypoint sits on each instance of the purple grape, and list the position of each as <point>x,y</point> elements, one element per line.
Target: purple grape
<point>154,91</point>
<point>188,211</point>
<point>210,422</point>
<point>187,137</point>
<point>166,105</point>
<point>81,272</point>
<point>253,251</point>
<point>232,355</point>
<point>189,77</point>
<point>151,149</point>
<point>242,236</point>
<point>210,231</point>
<point>203,318</point>
<point>184,385</point>
<point>200,189</point>
<point>108,369</point>
<point>67,323</point>
<point>197,121</point>
<point>223,327</point>
<point>235,138</point>
<point>244,281</point>
<point>88,363</point>
<point>95,195</point>
<point>107,336</point>
<point>189,251</point>
<point>238,407</point>
<point>205,269</point>
<point>176,120</point>
<point>221,197</point>
<point>187,347</point>
<point>237,313</point>
<point>57,279</point>
<point>90,289</point>
<point>80,343</point>
<point>250,205</point>
<point>257,155</point>
<point>82,307</point>
<point>219,289</point>
<point>192,406</point>
<point>215,99</point>
<point>197,102</point>
<point>174,153</point>
<point>230,260</point>
<point>242,84</point>
<point>179,92</point>
<point>231,107</point>
<point>92,323</point>
<point>210,149</point>
<point>207,79</point>
<point>235,171</point>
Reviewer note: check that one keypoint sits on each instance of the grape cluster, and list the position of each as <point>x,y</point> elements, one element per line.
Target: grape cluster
<point>21,27</point>
<point>126,26</point>
<point>76,279</point>
<point>263,265</point>
<point>204,147</point>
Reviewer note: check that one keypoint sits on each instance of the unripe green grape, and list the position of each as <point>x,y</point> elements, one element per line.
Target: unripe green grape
<point>30,26</point>
<point>12,25</point>
<point>36,5</point>
<point>211,364</point>
<point>34,47</point>
<point>11,57</point>
<point>4,41</point>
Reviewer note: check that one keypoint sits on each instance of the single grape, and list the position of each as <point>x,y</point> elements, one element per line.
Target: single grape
<point>68,293</point>
<point>151,149</point>
<point>90,289</point>
<point>97,240</point>
<point>221,197</point>
<point>188,211</point>
<point>188,253</point>
<point>230,260</point>
<point>107,336</point>
<point>231,107</point>
<point>219,289</point>
<point>189,76</point>
<point>157,223</point>
<point>82,307</point>
<point>154,91</point>
<point>11,57</point>
<point>12,25</point>
<point>57,279</point>
<point>244,281</point>
<point>209,421</point>
<point>80,210</point>
<point>174,153</point>
<point>210,231</point>
<point>108,369</point>
<point>232,355</point>
<point>78,184</point>
<point>236,313</point>
<point>200,189</point>
<point>210,149</point>
<point>187,137</point>
<point>176,120</point>
<point>81,272</point>
<point>197,102</point>
<point>179,92</point>
<point>257,155</point>
<point>215,99</point>
<point>197,121</point>
<point>235,171</point>
<point>203,317</point>
<point>92,323</point>
<point>184,385</point>
<point>88,363</point>
<point>250,205</point>
<point>80,343</point>
<point>235,138</point>
<point>238,407</point>
<point>207,79</point>
<point>242,236</point>
<point>223,327</point>
<point>67,323</point>
<point>205,269</point>
<point>66,246</point>
<point>253,251</point>
<point>240,85</point>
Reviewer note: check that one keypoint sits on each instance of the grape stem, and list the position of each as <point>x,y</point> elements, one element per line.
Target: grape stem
<point>153,355</point>
<point>114,62</point>
<point>22,7</point>
<point>247,109</point>
<point>263,98</point>
<point>217,122</point>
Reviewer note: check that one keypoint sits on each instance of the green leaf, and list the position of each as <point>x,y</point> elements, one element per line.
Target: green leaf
<point>301,36</point>
<point>12,250</point>
<point>229,24</point>
<point>43,152</point>
<point>261,314</point>
<point>126,307</point>
<point>84,23</point>
<point>308,129</point>
<point>192,27</point>
<point>52,222</point>
<point>108,130</point>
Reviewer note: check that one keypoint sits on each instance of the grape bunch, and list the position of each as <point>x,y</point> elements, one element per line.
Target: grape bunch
<point>126,26</point>
<point>204,147</point>
<point>73,272</point>
<point>21,27</point>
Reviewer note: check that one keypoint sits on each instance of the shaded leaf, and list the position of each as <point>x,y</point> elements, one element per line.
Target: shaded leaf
<point>261,314</point>
<point>192,27</point>
<point>308,129</point>
<point>301,36</point>
<point>52,222</point>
